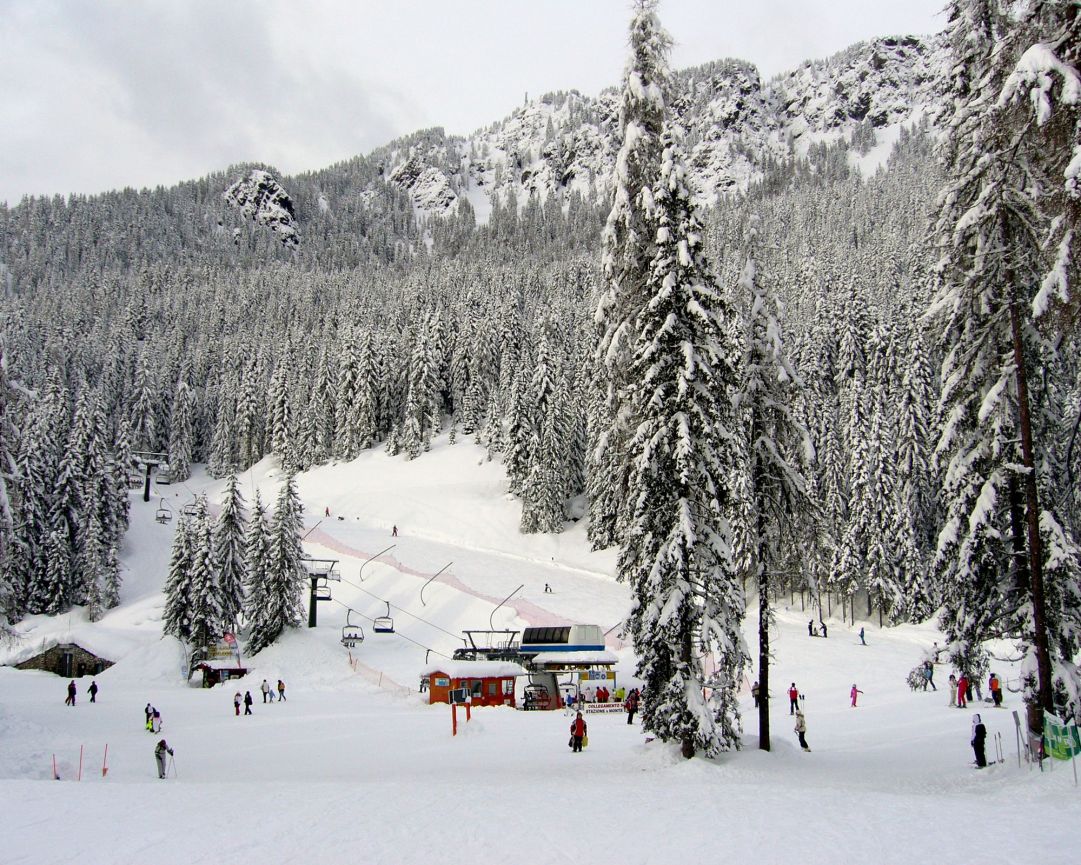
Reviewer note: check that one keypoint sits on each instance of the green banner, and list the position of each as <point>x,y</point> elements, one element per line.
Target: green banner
<point>1060,741</point>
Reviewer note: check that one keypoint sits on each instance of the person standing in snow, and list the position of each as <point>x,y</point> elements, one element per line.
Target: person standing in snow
<point>160,750</point>
<point>631,705</point>
<point>962,692</point>
<point>793,699</point>
<point>247,702</point>
<point>265,688</point>
<point>979,735</point>
<point>394,532</point>
<point>155,721</point>
<point>825,633</point>
<point>855,693</point>
<point>863,642</point>
<point>70,701</point>
<point>810,628</point>
<point>801,730</point>
<point>754,693</point>
<point>579,730</point>
<point>281,690</point>
<point>93,691</point>
<point>995,687</point>
<point>149,710</point>
<point>237,700</point>
<point>929,675</point>
<point>953,690</point>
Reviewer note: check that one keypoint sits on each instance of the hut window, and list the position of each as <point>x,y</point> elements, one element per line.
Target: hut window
<point>493,689</point>
<point>508,687</point>
<point>478,688</point>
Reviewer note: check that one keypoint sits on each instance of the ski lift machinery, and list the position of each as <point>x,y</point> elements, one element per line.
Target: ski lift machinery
<point>383,624</point>
<point>351,634</point>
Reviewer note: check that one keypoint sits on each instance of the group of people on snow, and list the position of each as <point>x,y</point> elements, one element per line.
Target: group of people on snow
<point>69,700</point>
<point>268,696</point>
<point>153,719</point>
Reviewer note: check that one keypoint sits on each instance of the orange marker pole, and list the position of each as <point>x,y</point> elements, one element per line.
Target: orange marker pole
<point>105,761</point>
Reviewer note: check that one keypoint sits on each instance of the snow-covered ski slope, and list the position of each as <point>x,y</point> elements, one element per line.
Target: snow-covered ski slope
<point>356,768</point>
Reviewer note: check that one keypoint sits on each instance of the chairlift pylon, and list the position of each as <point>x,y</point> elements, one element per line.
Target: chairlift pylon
<point>383,624</point>
<point>164,513</point>
<point>351,634</point>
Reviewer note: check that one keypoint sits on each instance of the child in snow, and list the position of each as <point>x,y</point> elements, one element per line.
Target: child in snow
<point>155,721</point>
<point>579,731</point>
<point>149,710</point>
<point>793,699</point>
<point>801,730</point>
<point>979,734</point>
<point>160,750</point>
<point>855,692</point>
<point>237,700</point>
<point>150,720</point>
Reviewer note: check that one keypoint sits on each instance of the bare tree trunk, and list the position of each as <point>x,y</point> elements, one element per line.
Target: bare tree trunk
<point>1035,551</point>
<point>686,655</point>
<point>763,658</point>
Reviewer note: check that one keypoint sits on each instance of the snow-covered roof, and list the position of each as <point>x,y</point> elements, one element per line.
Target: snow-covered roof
<point>591,657</point>
<point>474,669</point>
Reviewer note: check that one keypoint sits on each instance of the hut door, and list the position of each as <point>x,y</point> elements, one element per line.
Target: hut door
<point>80,671</point>
<point>65,664</point>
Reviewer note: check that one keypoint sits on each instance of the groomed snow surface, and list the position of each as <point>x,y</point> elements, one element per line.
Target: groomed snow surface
<point>355,768</point>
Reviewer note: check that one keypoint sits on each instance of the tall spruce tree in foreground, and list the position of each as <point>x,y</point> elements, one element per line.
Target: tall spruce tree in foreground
<point>1008,561</point>
<point>677,551</point>
<point>278,606</point>
<point>777,509</point>
<point>629,246</point>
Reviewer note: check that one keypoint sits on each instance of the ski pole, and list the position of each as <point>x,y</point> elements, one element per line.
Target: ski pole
<point>172,765</point>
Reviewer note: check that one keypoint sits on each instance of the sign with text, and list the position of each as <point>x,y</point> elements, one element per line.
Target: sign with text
<point>1061,741</point>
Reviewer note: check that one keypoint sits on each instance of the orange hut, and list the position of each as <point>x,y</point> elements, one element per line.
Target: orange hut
<point>487,683</point>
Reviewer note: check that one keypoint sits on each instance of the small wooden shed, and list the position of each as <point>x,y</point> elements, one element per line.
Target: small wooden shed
<point>487,683</point>
<point>69,660</point>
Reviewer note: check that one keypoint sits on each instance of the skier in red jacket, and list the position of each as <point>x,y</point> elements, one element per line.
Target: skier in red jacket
<point>962,692</point>
<point>793,699</point>
<point>578,732</point>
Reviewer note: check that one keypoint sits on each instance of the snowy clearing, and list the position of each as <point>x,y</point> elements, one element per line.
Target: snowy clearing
<point>355,767</point>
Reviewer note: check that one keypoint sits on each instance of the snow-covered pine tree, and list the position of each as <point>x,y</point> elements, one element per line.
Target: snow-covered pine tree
<point>676,552</point>
<point>230,530</point>
<point>629,245</point>
<point>280,603</point>
<point>256,559</point>
<point>778,512</point>
<point>206,608</point>
<point>10,593</point>
<point>996,447</point>
<point>181,427</point>
<point>176,617</point>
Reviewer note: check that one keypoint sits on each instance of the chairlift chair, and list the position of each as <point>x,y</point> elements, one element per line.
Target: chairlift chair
<point>164,513</point>
<point>351,634</point>
<point>190,509</point>
<point>383,624</point>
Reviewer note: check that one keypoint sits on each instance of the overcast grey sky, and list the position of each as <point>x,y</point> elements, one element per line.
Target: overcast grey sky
<point>111,93</point>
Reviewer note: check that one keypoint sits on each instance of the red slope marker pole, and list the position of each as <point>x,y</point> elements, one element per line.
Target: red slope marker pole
<point>105,762</point>
<point>80,775</point>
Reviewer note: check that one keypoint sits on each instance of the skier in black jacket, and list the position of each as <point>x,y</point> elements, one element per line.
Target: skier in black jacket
<point>979,735</point>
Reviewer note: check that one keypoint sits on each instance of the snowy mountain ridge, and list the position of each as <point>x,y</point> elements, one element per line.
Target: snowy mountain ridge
<point>733,124</point>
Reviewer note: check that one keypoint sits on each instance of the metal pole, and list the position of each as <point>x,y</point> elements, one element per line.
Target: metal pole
<point>491,623</point>
<point>146,484</point>
<point>436,574</point>
<point>312,604</point>
<point>360,574</point>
